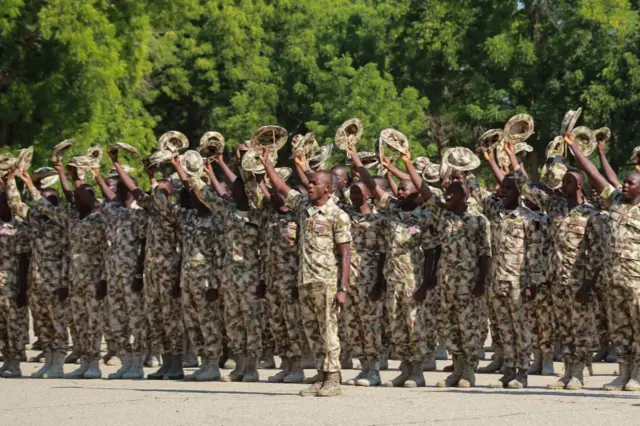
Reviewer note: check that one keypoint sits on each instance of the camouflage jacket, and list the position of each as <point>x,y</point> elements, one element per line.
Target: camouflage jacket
<point>622,242</point>
<point>200,258</point>
<point>321,230</point>
<point>162,237</point>
<point>126,229</point>
<point>574,234</point>
<point>368,234</point>
<point>14,240</point>
<point>87,242</point>
<point>48,240</point>
<point>408,235</point>
<point>279,251</point>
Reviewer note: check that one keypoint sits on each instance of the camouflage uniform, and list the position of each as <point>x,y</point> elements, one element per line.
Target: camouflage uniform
<point>279,264</point>
<point>128,227</point>
<point>408,236</point>
<point>602,292</point>
<point>322,229</point>
<point>198,274</point>
<point>363,316</point>
<point>240,273</point>
<point>343,201</point>
<point>516,241</point>
<point>87,247</point>
<point>161,275</point>
<point>576,249</point>
<point>621,276</point>
<point>14,320</point>
<point>49,249</point>
<point>463,240</point>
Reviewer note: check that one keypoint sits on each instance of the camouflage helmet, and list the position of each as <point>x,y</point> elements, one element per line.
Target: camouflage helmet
<point>348,134</point>
<point>192,163</point>
<point>173,141</point>
<point>251,161</point>
<point>519,128</point>
<point>569,121</point>
<point>489,140</point>
<point>269,136</point>
<point>320,157</point>
<point>586,139</point>
<point>461,159</point>
<point>121,146</point>
<point>45,176</point>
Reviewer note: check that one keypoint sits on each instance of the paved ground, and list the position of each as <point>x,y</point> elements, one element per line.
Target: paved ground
<point>103,402</point>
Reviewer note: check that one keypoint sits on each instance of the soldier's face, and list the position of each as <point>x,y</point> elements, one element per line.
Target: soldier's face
<point>358,194</point>
<point>112,184</point>
<point>318,186</point>
<point>631,186</point>
<point>454,196</point>
<point>569,185</point>
<point>508,191</point>
<point>84,196</point>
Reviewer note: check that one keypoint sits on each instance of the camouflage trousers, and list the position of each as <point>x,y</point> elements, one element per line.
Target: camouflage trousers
<point>385,329</point>
<point>624,320</point>
<point>363,320</point>
<point>242,314</point>
<point>460,312</point>
<point>202,319</point>
<point>541,319</point>
<point>508,305</point>
<point>165,329</point>
<point>268,339</point>
<point>427,324</point>
<point>343,324</point>
<point>575,324</point>
<point>284,316</point>
<point>85,309</point>
<point>320,323</point>
<point>107,332</point>
<point>126,316</point>
<point>14,328</point>
<point>489,323</point>
<point>49,318</point>
<point>602,313</point>
<point>402,313</point>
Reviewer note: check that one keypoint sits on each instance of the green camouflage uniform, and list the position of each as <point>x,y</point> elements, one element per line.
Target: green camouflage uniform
<point>322,229</point>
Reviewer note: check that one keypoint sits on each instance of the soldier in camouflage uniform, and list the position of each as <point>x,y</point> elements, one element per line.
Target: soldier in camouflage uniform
<point>323,251</point>
<point>14,316</point>
<point>576,250</point>
<point>464,246</point>
<point>279,271</point>
<point>162,279</point>
<point>49,247</point>
<point>127,225</point>
<point>621,268</point>
<point>86,229</point>
<point>364,304</point>
<point>240,229</point>
<point>410,245</point>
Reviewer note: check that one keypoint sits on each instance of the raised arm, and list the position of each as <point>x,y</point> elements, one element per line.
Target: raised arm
<point>365,176</point>
<point>393,185</point>
<point>301,171</point>
<point>416,179</point>
<point>18,208</point>
<point>108,193</point>
<point>66,188</point>
<point>278,183</point>
<point>508,148</point>
<point>175,161</point>
<point>394,170</point>
<point>497,172</point>
<point>124,176</point>
<point>226,169</point>
<point>215,183</point>
<point>597,180</point>
<point>609,173</point>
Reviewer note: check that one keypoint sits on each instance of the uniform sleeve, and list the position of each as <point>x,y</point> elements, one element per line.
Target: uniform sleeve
<point>484,237</point>
<point>56,213</point>
<point>595,247</point>
<point>429,240</point>
<point>208,196</point>
<point>145,201</point>
<point>535,265</point>
<point>342,228</point>
<point>18,209</point>
<point>611,197</point>
<point>295,200</point>
<point>534,195</point>
<point>381,242</point>
<point>483,197</point>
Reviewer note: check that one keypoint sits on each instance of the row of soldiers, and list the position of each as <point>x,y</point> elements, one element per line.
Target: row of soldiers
<point>328,265</point>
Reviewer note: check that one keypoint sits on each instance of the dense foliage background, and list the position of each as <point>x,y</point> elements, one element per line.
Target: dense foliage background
<point>441,71</point>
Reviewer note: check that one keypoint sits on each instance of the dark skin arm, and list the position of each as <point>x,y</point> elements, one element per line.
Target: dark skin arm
<point>381,282</point>
<point>66,188</point>
<point>597,180</point>
<point>366,177</point>
<point>416,179</point>
<point>345,258</point>
<point>395,171</point>
<point>429,276</point>
<point>215,183</point>
<point>125,178</point>
<point>23,280</point>
<point>609,173</point>
<point>483,264</point>
<point>393,185</point>
<point>226,169</point>
<point>508,148</point>
<point>108,193</point>
<point>278,183</point>
<point>497,172</point>
<point>181,173</point>
<point>301,172</point>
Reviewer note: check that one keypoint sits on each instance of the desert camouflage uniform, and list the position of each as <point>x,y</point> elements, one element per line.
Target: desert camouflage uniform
<point>343,201</point>
<point>576,250</point>
<point>363,316</point>
<point>463,240</point>
<point>14,320</point>
<point>621,270</point>
<point>49,249</point>
<point>516,245</point>
<point>602,292</point>
<point>408,236</point>
<point>126,319</point>
<point>241,271</point>
<point>161,274</point>
<point>87,247</point>
<point>322,229</point>
<point>279,264</point>
<point>198,274</point>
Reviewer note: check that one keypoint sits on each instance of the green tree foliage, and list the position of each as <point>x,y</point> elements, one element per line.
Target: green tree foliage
<point>441,71</point>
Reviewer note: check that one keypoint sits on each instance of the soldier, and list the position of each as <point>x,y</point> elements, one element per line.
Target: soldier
<point>86,228</point>
<point>410,245</point>
<point>14,266</point>
<point>241,291</point>
<point>323,251</point>
<point>621,267</point>
<point>126,224</point>
<point>279,271</point>
<point>49,247</point>
<point>576,249</point>
<point>162,278</point>
<point>364,304</point>
<point>462,265</point>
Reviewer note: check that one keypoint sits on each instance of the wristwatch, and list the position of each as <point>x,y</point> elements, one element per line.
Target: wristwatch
<point>342,290</point>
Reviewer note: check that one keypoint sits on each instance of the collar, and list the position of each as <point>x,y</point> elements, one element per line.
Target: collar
<point>324,209</point>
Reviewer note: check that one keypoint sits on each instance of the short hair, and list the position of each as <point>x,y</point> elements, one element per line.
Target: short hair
<point>88,187</point>
<point>326,175</point>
